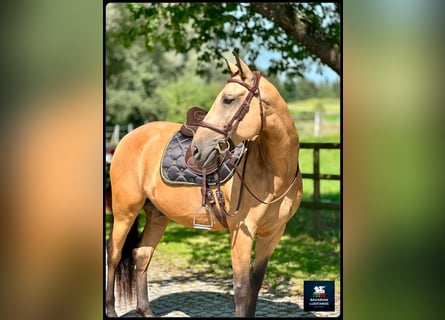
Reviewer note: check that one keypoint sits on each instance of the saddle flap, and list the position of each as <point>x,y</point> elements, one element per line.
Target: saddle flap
<point>194,117</point>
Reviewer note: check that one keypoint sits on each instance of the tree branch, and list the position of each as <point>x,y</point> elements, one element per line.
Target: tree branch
<point>303,31</point>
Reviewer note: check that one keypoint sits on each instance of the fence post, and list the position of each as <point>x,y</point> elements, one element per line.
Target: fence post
<point>130,127</point>
<point>317,121</point>
<point>115,137</point>
<point>316,195</point>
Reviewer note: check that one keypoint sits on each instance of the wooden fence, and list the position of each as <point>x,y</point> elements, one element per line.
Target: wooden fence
<point>113,134</point>
<point>317,124</point>
<point>316,204</point>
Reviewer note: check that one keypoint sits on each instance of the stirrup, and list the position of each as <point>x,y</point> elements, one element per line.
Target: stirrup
<point>203,226</point>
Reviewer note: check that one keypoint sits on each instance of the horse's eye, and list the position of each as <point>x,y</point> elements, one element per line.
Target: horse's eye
<point>228,100</point>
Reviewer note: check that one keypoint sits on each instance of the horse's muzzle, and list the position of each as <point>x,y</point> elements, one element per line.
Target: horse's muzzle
<point>205,156</point>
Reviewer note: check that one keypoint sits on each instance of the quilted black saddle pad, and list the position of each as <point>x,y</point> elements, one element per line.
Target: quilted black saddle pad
<point>175,171</point>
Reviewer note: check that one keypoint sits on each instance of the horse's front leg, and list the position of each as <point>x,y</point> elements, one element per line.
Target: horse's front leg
<point>264,247</point>
<point>241,244</point>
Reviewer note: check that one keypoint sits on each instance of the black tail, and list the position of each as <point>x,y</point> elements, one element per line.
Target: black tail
<point>125,271</point>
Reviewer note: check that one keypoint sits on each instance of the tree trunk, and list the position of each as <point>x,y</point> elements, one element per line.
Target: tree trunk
<point>303,31</point>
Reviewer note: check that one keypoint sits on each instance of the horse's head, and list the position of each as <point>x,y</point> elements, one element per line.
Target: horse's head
<point>236,115</point>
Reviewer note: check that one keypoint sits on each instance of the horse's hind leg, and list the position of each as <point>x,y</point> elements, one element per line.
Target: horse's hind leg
<point>153,231</point>
<point>125,214</point>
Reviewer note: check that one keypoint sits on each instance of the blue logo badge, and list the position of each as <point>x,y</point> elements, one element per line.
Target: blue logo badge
<point>319,296</point>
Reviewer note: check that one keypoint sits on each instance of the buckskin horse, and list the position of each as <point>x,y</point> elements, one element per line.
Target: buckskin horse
<point>257,201</point>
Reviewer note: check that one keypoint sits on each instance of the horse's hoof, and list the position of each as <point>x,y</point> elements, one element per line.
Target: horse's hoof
<point>111,314</point>
<point>146,313</point>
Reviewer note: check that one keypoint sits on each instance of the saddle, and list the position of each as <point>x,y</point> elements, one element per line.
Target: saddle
<point>194,117</point>
<point>178,168</point>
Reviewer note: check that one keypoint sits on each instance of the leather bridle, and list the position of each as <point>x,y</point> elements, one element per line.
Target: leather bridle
<point>223,146</point>
<point>228,129</point>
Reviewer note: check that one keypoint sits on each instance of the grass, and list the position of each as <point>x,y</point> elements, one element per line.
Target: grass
<point>328,105</point>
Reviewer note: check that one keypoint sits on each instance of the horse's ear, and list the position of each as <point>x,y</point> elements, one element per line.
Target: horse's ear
<point>243,68</point>
<point>231,67</point>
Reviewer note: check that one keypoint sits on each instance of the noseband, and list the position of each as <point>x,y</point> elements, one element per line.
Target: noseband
<point>228,129</point>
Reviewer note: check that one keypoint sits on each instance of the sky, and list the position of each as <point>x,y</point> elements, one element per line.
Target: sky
<point>327,73</point>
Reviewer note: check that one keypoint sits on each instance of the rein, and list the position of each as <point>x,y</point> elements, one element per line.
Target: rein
<point>250,191</point>
<point>223,147</point>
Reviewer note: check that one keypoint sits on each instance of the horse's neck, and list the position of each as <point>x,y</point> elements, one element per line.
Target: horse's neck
<point>277,146</point>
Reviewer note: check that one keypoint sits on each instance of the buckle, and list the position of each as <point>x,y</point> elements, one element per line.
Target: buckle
<point>222,146</point>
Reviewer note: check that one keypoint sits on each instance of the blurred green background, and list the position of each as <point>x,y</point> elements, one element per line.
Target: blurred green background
<point>392,157</point>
